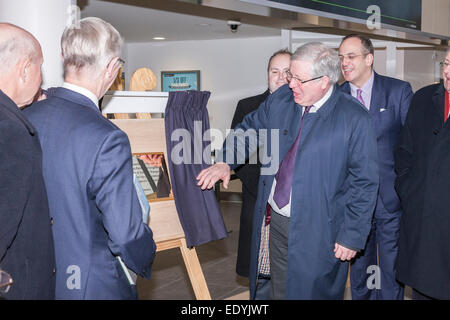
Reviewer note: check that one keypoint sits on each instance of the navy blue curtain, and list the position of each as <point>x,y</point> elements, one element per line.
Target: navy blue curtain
<point>186,120</point>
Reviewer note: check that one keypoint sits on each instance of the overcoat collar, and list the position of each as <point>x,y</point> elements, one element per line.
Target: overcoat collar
<point>326,109</point>
<point>438,99</point>
<point>10,106</point>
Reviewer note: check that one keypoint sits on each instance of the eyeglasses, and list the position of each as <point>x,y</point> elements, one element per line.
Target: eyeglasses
<point>350,56</point>
<point>444,64</point>
<point>5,281</point>
<point>289,78</point>
<point>121,61</point>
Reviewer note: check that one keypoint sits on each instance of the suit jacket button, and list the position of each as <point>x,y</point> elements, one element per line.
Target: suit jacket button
<point>54,271</point>
<point>51,221</point>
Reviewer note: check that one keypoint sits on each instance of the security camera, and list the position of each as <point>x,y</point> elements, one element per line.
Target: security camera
<point>234,24</point>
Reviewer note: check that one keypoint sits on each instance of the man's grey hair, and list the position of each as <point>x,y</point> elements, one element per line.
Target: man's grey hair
<point>325,61</point>
<point>16,47</point>
<point>90,44</point>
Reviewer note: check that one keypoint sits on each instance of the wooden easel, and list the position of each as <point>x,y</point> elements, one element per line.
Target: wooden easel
<point>148,135</point>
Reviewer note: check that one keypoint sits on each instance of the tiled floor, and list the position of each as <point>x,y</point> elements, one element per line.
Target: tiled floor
<point>170,281</point>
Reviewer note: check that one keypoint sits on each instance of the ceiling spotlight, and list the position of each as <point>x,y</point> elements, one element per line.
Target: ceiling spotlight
<point>159,38</point>
<point>234,24</point>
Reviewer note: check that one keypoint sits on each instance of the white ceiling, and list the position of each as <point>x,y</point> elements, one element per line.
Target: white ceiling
<point>137,24</point>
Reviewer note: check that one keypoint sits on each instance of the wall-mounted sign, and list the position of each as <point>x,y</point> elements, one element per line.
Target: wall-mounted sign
<point>399,13</point>
<point>180,80</point>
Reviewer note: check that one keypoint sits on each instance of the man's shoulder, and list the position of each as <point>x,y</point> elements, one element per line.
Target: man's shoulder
<point>251,100</point>
<point>58,112</point>
<point>348,104</point>
<point>391,83</point>
<point>428,91</point>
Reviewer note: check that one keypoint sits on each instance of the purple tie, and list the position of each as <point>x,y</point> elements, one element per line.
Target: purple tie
<point>359,97</point>
<point>284,175</point>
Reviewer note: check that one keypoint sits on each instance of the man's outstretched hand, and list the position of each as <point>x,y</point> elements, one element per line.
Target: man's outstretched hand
<point>208,177</point>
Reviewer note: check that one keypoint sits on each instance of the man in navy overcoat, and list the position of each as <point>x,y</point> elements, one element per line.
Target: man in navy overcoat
<point>334,181</point>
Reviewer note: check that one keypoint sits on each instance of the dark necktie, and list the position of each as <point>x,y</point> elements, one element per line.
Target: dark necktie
<point>284,175</point>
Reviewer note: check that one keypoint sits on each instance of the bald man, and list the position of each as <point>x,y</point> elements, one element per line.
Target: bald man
<point>26,242</point>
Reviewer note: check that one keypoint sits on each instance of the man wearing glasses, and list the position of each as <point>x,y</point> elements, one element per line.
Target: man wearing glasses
<point>324,192</point>
<point>249,172</point>
<point>87,166</point>
<point>387,101</point>
<point>422,162</point>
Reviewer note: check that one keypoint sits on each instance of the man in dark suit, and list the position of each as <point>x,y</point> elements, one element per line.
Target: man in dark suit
<point>323,192</point>
<point>387,100</point>
<point>422,162</point>
<point>87,169</point>
<point>26,242</point>
<point>249,172</point>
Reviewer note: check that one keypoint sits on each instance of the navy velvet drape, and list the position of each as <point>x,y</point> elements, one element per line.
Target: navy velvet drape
<point>186,120</point>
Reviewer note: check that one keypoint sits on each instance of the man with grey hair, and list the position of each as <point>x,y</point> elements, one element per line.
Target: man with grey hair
<point>324,192</point>
<point>26,242</point>
<point>87,168</point>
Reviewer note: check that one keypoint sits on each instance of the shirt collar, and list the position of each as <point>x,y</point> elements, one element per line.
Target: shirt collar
<point>83,91</point>
<point>366,87</point>
<point>322,100</point>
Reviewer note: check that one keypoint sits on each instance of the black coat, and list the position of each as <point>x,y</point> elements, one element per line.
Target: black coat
<point>26,241</point>
<point>422,163</point>
<point>249,175</point>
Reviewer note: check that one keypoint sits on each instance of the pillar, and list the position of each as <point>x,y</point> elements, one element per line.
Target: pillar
<point>46,20</point>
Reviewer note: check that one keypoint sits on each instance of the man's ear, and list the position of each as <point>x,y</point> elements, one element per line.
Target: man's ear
<point>24,67</point>
<point>325,82</point>
<point>369,59</point>
<point>112,68</point>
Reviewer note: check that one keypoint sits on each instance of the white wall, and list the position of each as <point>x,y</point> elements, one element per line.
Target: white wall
<point>46,20</point>
<point>230,69</point>
<point>417,66</point>
<point>420,67</point>
<point>233,69</point>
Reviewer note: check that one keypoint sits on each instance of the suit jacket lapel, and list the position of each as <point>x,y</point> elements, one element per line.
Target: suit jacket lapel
<point>378,97</point>
<point>75,97</point>
<point>346,87</point>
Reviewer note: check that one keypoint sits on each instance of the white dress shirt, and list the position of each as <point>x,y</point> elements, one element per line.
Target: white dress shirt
<point>83,91</point>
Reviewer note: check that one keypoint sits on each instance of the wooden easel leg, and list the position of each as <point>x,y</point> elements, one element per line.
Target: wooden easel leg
<point>195,272</point>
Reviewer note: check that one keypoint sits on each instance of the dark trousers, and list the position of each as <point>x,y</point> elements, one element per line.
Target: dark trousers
<point>245,233</point>
<point>384,237</point>
<point>263,288</point>
<point>416,295</point>
<point>278,254</point>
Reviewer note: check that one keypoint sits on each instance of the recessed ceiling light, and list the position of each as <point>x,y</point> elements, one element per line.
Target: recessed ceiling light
<point>203,24</point>
<point>159,38</point>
